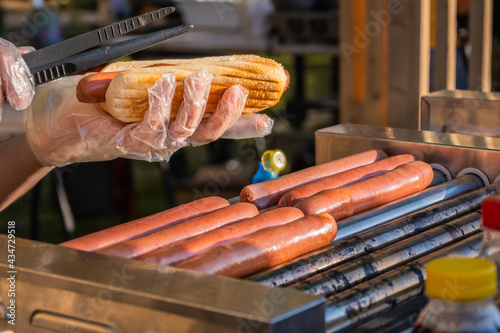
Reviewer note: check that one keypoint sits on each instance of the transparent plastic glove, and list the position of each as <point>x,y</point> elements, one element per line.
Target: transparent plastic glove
<point>227,112</point>
<point>16,82</point>
<point>250,126</point>
<point>61,130</point>
<point>190,113</point>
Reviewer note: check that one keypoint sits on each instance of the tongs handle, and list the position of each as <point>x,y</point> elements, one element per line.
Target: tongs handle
<point>68,47</point>
<point>89,59</point>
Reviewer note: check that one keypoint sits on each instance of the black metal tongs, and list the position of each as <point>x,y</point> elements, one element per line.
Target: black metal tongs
<point>64,58</point>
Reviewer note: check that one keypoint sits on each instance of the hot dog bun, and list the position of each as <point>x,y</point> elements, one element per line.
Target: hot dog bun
<point>127,95</point>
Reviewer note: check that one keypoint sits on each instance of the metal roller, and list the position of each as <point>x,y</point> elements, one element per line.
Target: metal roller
<point>372,240</point>
<point>400,320</point>
<point>350,274</point>
<point>386,292</point>
<point>439,176</point>
<point>368,220</point>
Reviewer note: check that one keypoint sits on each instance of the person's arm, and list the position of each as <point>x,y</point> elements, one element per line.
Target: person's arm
<point>19,170</point>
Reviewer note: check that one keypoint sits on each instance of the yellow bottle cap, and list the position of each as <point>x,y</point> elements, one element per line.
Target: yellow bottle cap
<point>461,279</point>
<point>274,160</point>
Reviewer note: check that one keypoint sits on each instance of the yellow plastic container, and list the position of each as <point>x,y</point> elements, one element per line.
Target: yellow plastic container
<point>461,279</point>
<point>460,292</point>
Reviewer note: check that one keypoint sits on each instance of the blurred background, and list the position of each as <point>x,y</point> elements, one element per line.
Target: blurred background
<point>350,62</point>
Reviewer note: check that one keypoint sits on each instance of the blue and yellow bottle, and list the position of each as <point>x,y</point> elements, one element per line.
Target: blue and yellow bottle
<point>270,165</point>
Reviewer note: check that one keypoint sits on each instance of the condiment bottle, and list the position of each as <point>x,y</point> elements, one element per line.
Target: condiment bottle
<point>270,165</point>
<point>490,247</point>
<point>460,292</point>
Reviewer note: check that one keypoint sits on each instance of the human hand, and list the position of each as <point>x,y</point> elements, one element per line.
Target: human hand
<point>16,82</point>
<point>61,130</point>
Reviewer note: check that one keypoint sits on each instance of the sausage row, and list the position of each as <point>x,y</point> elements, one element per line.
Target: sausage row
<point>212,236</point>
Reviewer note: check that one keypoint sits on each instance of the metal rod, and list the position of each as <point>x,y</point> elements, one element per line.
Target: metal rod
<point>368,220</point>
<point>372,240</point>
<point>367,267</point>
<point>351,307</point>
<point>438,178</point>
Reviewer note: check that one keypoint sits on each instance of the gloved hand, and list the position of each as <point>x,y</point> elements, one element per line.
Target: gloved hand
<point>61,130</point>
<point>16,82</point>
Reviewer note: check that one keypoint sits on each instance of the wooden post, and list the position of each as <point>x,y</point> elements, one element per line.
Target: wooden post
<point>364,61</point>
<point>384,62</point>
<point>446,45</point>
<point>360,42</point>
<point>376,111</point>
<point>409,58</point>
<point>480,25</point>
<point>351,62</point>
<point>425,51</point>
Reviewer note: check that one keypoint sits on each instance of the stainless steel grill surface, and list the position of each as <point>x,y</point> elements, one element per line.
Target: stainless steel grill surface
<point>348,309</point>
<point>370,275</point>
<point>349,274</point>
<point>375,239</point>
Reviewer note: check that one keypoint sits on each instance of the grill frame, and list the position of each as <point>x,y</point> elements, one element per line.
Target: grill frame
<point>53,282</point>
<point>454,151</point>
<point>95,293</point>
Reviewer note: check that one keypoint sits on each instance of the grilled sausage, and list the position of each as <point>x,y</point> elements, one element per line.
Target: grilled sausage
<point>292,197</point>
<point>268,193</point>
<point>372,192</point>
<point>140,227</point>
<point>171,234</point>
<point>265,248</point>
<point>126,95</point>
<point>92,88</point>
<point>188,248</point>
